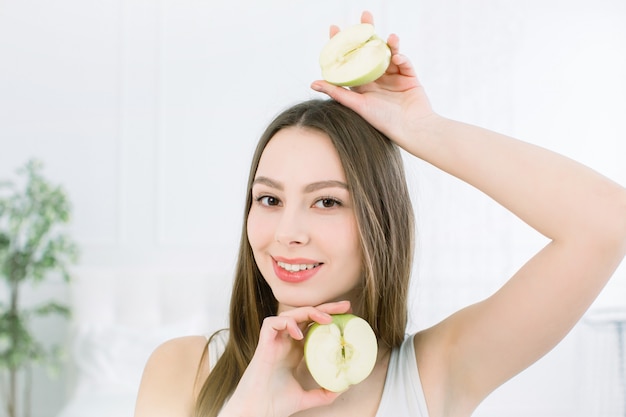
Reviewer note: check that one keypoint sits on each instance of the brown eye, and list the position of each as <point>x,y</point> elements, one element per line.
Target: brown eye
<point>268,201</point>
<point>327,203</point>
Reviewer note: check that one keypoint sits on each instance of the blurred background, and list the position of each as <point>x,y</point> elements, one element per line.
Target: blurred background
<point>147,112</point>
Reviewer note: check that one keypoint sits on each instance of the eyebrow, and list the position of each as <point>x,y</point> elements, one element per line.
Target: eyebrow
<point>307,189</point>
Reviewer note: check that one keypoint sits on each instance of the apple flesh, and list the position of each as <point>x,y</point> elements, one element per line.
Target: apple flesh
<point>341,353</point>
<point>354,56</point>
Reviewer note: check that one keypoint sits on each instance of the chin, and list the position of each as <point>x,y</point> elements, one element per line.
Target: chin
<point>299,299</point>
<point>289,301</point>
<point>293,296</point>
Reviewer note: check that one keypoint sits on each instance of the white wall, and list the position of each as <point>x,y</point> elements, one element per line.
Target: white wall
<point>147,112</point>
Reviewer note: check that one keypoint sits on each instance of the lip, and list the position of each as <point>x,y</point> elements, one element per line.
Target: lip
<point>295,277</point>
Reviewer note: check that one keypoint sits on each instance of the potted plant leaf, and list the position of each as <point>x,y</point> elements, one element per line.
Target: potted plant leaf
<point>34,246</point>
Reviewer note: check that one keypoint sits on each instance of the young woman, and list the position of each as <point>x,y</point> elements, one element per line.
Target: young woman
<point>328,229</point>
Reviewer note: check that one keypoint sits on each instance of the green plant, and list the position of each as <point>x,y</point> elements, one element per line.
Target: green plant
<point>34,245</point>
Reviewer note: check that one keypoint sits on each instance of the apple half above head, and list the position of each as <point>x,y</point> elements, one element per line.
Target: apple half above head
<point>354,56</point>
<point>341,353</point>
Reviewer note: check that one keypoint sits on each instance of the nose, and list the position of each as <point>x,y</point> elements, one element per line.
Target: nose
<point>291,229</point>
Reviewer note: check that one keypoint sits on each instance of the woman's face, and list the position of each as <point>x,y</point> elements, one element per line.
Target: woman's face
<point>301,226</point>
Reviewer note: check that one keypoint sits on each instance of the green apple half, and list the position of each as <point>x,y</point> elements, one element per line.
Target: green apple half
<point>341,353</point>
<point>354,56</point>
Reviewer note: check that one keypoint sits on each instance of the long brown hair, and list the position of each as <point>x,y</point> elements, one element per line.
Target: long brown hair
<point>375,174</point>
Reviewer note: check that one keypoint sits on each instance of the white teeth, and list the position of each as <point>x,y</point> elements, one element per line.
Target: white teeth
<point>296,267</point>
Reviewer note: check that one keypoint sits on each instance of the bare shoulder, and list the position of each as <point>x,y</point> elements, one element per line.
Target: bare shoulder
<point>172,377</point>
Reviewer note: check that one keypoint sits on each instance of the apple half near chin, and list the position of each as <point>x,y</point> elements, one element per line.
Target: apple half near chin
<point>341,353</point>
<point>354,56</point>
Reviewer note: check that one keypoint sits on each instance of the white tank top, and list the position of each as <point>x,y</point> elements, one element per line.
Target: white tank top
<point>403,395</point>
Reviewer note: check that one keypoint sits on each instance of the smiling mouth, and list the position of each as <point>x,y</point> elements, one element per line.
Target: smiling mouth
<point>297,267</point>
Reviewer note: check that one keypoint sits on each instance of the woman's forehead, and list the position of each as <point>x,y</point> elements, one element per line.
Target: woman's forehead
<point>297,153</point>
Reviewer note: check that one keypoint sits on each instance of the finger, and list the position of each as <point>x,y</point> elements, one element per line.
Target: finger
<point>322,313</point>
<point>334,29</point>
<point>344,96</point>
<point>337,307</point>
<point>405,67</point>
<point>277,324</point>
<point>393,41</point>
<point>305,315</point>
<point>367,17</point>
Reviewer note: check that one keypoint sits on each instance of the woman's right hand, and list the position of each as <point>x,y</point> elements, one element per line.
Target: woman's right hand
<point>396,103</point>
<point>268,387</point>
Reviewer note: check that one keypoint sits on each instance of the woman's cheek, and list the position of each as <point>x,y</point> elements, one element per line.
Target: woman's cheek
<point>259,229</point>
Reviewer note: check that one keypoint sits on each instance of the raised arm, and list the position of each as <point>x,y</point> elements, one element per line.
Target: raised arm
<point>583,214</point>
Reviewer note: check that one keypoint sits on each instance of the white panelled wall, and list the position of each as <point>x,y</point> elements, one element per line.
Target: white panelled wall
<point>147,112</point>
